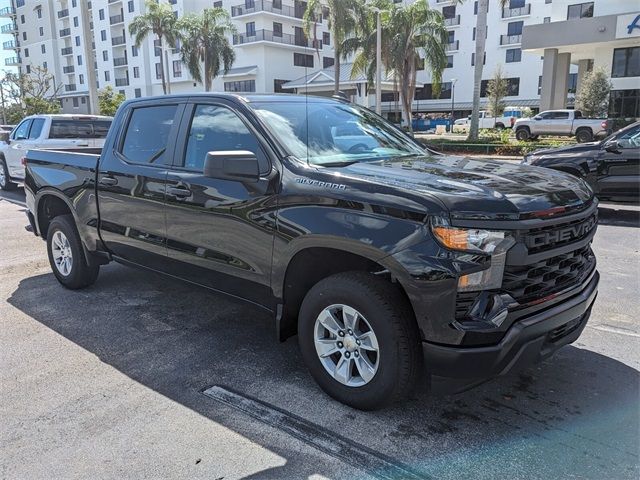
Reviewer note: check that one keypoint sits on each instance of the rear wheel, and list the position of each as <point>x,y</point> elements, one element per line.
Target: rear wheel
<point>5,178</point>
<point>66,255</point>
<point>584,135</point>
<point>522,134</point>
<point>359,339</point>
<point>499,126</point>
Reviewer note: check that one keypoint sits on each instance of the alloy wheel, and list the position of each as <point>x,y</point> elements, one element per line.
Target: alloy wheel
<point>62,254</point>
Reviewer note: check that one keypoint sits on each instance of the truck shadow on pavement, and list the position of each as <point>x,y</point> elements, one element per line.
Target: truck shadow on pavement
<point>574,415</point>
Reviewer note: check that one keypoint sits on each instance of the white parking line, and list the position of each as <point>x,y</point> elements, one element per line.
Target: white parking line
<point>619,331</point>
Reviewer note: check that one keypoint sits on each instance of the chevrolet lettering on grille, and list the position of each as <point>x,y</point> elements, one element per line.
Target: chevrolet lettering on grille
<point>561,235</point>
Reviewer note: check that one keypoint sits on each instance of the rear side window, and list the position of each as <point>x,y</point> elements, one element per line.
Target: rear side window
<point>79,128</point>
<point>560,115</point>
<point>147,134</point>
<point>36,128</point>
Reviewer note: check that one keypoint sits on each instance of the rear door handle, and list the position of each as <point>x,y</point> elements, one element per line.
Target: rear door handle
<point>109,181</point>
<point>179,191</point>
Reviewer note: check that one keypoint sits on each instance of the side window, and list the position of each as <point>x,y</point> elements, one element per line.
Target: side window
<point>36,128</point>
<point>22,131</point>
<point>216,128</point>
<point>630,139</point>
<point>147,134</point>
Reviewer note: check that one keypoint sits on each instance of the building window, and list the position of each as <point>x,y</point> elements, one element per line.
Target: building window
<point>26,52</point>
<point>101,14</point>
<point>326,38</point>
<point>75,21</point>
<point>28,68</point>
<point>473,59</point>
<point>103,35</point>
<point>137,93</point>
<point>43,48</point>
<point>475,7</point>
<point>624,103</point>
<point>44,65</point>
<point>547,1</point>
<point>240,86</point>
<point>514,55</point>
<point>250,29</point>
<point>303,60</point>
<point>136,72</point>
<point>105,55</point>
<point>158,71</point>
<point>573,83</point>
<point>177,68</point>
<point>513,87</point>
<point>516,3</point>
<point>83,100</point>
<point>157,47</point>
<point>515,28</point>
<point>81,79</point>
<point>486,33</point>
<point>130,6</point>
<point>41,31</point>
<point>75,102</point>
<point>449,61</point>
<point>277,86</point>
<point>277,29</point>
<point>426,92</point>
<point>39,12</point>
<point>218,4</point>
<point>328,62</point>
<point>580,10</point>
<point>546,20</point>
<point>74,3</point>
<point>24,36</point>
<point>21,18</point>
<point>77,41</point>
<point>626,62</point>
<point>107,75</point>
<point>79,59</point>
<point>134,51</point>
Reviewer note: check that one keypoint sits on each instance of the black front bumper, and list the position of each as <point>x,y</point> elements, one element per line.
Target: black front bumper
<point>529,340</point>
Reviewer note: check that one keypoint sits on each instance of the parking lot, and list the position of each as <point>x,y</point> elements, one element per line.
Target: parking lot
<point>141,376</point>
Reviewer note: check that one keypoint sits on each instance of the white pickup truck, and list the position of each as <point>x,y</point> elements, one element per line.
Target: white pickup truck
<point>485,120</point>
<point>568,123</point>
<point>83,132</point>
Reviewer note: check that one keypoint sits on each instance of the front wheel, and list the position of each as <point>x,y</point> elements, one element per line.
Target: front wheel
<point>584,136</point>
<point>66,255</point>
<point>359,339</point>
<point>5,178</point>
<point>522,134</point>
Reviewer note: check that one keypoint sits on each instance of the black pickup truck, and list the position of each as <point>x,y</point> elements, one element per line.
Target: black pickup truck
<point>387,260</point>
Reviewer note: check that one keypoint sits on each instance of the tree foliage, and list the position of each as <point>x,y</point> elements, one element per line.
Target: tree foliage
<point>29,94</point>
<point>205,48</point>
<point>160,21</point>
<point>496,91</point>
<point>593,96</point>
<point>109,100</point>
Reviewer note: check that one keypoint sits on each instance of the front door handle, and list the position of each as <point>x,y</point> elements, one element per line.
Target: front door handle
<point>108,181</point>
<point>179,192</point>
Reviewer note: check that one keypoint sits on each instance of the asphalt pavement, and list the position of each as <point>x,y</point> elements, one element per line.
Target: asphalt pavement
<point>141,376</point>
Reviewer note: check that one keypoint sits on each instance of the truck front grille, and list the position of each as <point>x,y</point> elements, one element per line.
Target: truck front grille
<point>549,276</point>
<point>547,238</point>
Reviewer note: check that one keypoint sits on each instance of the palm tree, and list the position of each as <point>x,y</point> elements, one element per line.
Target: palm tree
<point>411,31</point>
<point>341,23</point>
<point>158,20</point>
<point>205,41</point>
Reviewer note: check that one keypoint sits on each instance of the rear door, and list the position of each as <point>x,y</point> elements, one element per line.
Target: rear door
<point>619,173</point>
<point>220,232</point>
<point>132,180</point>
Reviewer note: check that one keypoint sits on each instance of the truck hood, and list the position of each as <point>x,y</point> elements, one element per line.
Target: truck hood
<point>471,188</point>
<point>567,150</point>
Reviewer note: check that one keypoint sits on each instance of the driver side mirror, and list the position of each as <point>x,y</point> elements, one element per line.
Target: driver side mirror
<point>236,165</point>
<point>612,146</point>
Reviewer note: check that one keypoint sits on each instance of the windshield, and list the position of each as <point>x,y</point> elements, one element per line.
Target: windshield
<point>330,134</point>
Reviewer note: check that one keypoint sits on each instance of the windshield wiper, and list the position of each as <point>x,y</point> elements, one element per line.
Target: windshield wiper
<point>337,164</point>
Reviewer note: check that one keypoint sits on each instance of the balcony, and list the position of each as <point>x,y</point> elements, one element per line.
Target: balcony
<point>452,22</point>
<point>517,11</point>
<point>71,87</point>
<point>453,46</point>
<point>68,69</point>
<point>11,61</point>
<point>65,32</point>
<point>122,82</point>
<point>9,28</point>
<point>120,62</point>
<point>63,13</point>
<point>7,12</point>
<point>264,6</point>
<point>118,41</point>
<point>115,19</point>
<point>114,1</point>
<point>270,36</point>
<point>67,51</point>
<point>11,45</point>
<point>510,39</point>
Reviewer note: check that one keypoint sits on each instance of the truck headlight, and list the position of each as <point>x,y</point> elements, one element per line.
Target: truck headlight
<point>484,242</point>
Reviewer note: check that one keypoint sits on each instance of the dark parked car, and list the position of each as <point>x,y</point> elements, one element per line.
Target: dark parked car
<point>611,166</point>
<point>387,261</point>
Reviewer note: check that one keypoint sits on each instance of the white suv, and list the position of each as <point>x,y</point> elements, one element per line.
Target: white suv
<point>64,132</point>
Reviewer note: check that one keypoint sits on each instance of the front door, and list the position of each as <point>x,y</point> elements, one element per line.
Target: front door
<point>131,184</point>
<point>220,232</point>
<point>619,172</point>
<point>22,139</point>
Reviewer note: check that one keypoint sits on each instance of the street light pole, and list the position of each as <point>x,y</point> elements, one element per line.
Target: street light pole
<point>453,99</point>
<point>378,64</point>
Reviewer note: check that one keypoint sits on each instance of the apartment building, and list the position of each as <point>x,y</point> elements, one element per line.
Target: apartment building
<point>86,44</point>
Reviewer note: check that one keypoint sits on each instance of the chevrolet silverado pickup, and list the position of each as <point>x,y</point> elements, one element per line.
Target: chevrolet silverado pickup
<point>387,261</point>
<point>567,123</point>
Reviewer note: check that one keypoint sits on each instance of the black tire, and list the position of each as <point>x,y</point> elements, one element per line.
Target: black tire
<point>584,135</point>
<point>523,134</point>
<point>81,273</point>
<point>390,317</point>
<point>499,126</point>
<point>5,179</point>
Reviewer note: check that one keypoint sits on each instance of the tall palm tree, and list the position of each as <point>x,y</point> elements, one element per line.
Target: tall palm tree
<point>160,21</point>
<point>205,41</point>
<point>413,32</point>
<point>341,23</point>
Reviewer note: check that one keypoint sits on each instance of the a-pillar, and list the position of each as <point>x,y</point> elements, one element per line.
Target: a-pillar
<point>555,79</point>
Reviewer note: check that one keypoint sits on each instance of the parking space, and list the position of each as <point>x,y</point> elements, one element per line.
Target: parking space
<point>110,381</point>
